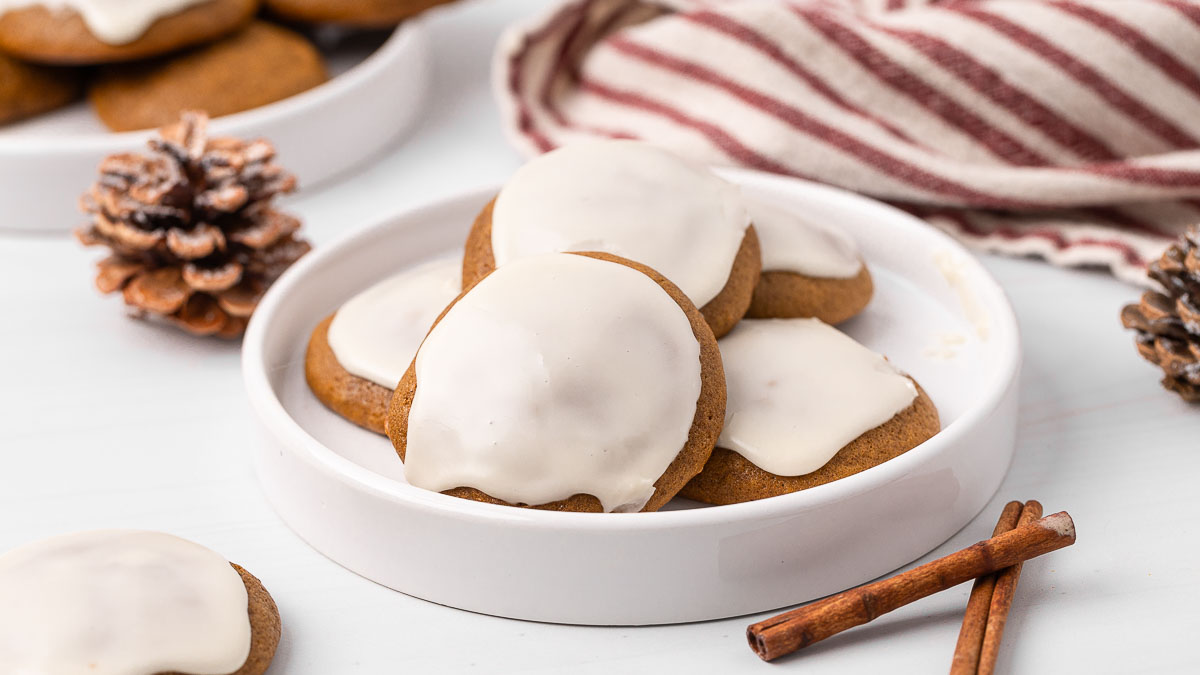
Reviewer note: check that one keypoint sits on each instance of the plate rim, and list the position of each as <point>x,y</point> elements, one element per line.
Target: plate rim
<point>274,416</point>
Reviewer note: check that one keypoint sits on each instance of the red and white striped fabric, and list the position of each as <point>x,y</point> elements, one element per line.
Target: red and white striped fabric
<point>1064,129</point>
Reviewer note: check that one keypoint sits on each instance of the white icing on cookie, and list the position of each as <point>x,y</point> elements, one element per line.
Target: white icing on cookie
<point>792,243</point>
<point>800,390</point>
<point>629,199</point>
<point>121,602</point>
<point>113,21</point>
<point>376,334</point>
<point>556,375</point>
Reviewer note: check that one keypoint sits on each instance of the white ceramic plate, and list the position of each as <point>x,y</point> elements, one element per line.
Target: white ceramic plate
<point>47,162</point>
<point>342,489</point>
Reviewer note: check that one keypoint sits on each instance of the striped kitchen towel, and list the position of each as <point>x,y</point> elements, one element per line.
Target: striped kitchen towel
<point>1063,129</point>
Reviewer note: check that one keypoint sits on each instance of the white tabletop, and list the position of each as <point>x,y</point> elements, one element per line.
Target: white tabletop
<point>108,422</point>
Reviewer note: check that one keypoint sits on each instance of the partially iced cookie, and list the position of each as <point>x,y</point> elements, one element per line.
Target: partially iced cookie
<point>128,602</point>
<point>806,405</point>
<point>357,355</point>
<point>633,200</point>
<point>809,269</point>
<point>88,32</point>
<point>574,382</point>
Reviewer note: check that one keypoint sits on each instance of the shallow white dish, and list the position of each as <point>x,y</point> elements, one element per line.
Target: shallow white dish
<point>342,488</point>
<point>373,96</point>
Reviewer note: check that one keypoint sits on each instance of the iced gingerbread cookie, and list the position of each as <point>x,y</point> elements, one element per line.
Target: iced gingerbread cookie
<point>27,89</point>
<point>807,405</point>
<point>128,602</point>
<point>260,64</point>
<point>808,269</point>
<point>357,355</point>
<point>358,13</point>
<point>571,382</point>
<point>88,32</point>
<point>635,201</point>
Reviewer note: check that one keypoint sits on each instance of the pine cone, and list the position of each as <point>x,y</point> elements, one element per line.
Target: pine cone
<point>193,235</point>
<point>1168,324</point>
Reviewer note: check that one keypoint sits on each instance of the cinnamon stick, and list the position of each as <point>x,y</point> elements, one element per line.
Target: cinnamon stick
<point>975,619</point>
<point>1002,598</point>
<point>812,623</point>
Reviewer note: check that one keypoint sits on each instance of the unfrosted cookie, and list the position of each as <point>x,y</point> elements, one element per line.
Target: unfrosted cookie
<point>260,64</point>
<point>357,355</point>
<point>85,32</point>
<point>806,405</point>
<point>571,382</point>
<point>634,200</point>
<point>27,89</point>
<point>357,13</point>
<point>166,605</point>
<point>809,269</point>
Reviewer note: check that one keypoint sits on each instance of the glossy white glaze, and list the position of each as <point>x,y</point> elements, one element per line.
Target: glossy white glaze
<point>556,375</point>
<point>630,199</point>
<point>376,333</point>
<point>799,390</point>
<point>120,602</point>
<point>792,243</point>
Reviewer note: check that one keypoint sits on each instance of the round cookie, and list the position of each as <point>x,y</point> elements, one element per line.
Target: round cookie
<point>168,606</point>
<point>634,200</point>
<point>27,89</point>
<point>354,13</point>
<point>701,434</point>
<point>259,64</point>
<point>826,409</point>
<point>86,32</point>
<point>809,269</point>
<point>377,334</point>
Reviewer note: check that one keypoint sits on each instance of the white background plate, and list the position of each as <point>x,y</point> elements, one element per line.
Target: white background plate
<point>342,489</point>
<point>375,95</point>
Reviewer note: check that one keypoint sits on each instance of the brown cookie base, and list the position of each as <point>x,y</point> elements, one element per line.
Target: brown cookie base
<point>722,312</point>
<point>729,478</point>
<point>788,295</point>
<point>353,13</point>
<point>265,627</point>
<point>27,90</point>
<point>706,424</point>
<point>259,64</point>
<point>36,33</point>
<point>357,399</point>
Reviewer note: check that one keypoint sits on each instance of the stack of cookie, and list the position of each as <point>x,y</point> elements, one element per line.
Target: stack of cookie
<point>141,62</point>
<point>630,327</point>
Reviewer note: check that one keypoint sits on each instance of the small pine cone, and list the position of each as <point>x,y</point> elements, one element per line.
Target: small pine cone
<point>1168,323</point>
<point>192,233</point>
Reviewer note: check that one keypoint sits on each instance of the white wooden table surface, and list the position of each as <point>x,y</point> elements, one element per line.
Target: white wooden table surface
<point>108,422</point>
